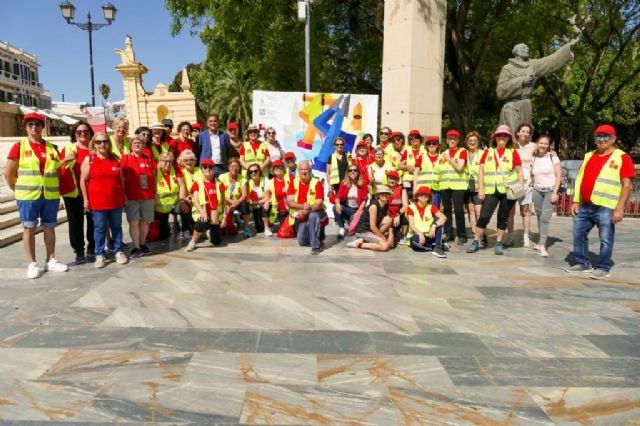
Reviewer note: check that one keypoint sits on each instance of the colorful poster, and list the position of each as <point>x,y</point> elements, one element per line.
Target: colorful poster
<point>96,119</point>
<point>307,123</point>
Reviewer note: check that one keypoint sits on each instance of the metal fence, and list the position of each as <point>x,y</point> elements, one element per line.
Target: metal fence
<point>565,198</point>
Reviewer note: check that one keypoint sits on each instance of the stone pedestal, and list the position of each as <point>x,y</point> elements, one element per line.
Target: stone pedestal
<point>413,65</point>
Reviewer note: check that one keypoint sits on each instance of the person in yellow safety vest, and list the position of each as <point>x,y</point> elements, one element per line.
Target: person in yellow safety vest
<point>160,142</point>
<point>425,224</point>
<point>254,151</point>
<point>235,193</point>
<point>428,174</point>
<point>32,173</point>
<point>190,174</point>
<point>305,197</point>
<point>474,204</point>
<point>119,140</point>
<point>276,195</point>
<point>453,184</point>
<point>602,189</point>
<point>170,190</point>
<point>81,134</point>
<point>338,163</point>
<point>208,206</point>
<point>393,151</point>
<point>378,170</point>
<point>411,159</point>
<point>499,168</point>
<point>256,200</point>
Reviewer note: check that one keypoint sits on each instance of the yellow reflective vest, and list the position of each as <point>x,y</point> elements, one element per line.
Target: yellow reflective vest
<point>393,157</point>
<point>311,196</point>
<point>606,191</point>
<point>273,213</point>
<point>411,161</point>
<point>334,172</point>
<point>189,177</point>
<point>429,174</point>
<point>166,197</point>
<point>496,178</point>
<point>126,147</point>
<point>31,183</point>
<point>253,157</point>
<point>452,179</point>
<point>231,193</point>
<point>421,222</point>
<point>474,164</point>
<point>203,199</point>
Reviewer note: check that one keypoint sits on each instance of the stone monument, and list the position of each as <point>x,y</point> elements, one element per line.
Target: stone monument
<point>518,78</point>
<point>144,108</point>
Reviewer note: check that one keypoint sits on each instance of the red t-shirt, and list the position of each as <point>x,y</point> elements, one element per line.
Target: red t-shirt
<point>302,193</point>
<point>433,158</point>
<point>105,185</point>
<point>255,146</point>
<point>167,177</point>
<point>184,145</point>
<point>281,193</point>
<point>516,157</point>
<point>434,210</point>
<point>395,202</point>
<point>65,180</point>
<point>212,193</point>
<point>39,149</point>
<point>463,154</point>
<point>593,168</point>
<point>133,167</point>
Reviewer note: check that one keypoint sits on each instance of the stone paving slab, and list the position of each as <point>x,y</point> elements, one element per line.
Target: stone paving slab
<point>260,332</point>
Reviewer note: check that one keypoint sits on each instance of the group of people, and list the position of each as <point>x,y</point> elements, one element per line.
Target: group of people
<point>402,190</point>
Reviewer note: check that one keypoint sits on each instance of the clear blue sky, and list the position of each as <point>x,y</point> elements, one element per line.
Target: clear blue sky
<point>62,50</point>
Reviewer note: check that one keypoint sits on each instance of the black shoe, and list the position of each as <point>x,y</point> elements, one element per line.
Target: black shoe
<point>81,259</point>
<point>462,241</point>
<point>316,250</point>
<point>136,253</point>
<point>439,252</point>
<point>145,250</point>
<point>485,242</point>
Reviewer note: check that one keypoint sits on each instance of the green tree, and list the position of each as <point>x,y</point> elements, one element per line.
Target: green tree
<point>105,91</point>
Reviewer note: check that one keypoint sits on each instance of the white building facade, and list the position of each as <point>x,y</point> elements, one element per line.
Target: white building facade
<point>19,78</point>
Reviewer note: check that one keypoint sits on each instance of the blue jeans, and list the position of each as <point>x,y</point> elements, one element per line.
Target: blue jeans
<point>308,232</point>
<point>347,214</point>
<point>429,243</point>
<point>102,219</point>
<point>589,216</point>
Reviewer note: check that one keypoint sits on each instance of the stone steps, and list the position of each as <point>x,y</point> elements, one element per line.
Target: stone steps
<point>10,228</point>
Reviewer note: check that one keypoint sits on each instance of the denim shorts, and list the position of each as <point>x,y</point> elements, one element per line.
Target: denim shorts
<point>32,210</point>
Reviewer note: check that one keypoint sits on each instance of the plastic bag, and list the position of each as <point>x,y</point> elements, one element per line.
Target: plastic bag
<point>286,230</point>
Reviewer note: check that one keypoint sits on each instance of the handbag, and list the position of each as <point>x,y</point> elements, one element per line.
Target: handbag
<point>515,190</point>
<point>286,229</point>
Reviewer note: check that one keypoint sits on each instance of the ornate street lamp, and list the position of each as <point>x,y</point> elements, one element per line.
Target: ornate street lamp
<point>68,11</point>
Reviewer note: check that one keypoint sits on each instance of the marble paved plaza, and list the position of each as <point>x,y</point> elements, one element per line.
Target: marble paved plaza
<point>261,332</point>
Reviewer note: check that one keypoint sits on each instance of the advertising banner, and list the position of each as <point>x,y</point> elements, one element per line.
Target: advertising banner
<point>96,119</point>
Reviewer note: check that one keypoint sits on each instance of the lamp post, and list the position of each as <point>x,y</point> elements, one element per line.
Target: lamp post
<point>68,11</point>
<point>305,15</point>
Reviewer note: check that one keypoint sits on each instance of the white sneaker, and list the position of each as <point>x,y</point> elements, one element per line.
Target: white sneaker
<point>191,246</point>
<point>341,232</point>
<point>121,258</point>
<point>55,266</point>
<point>32,270</point>
<point>403,241</point>
<point>543,252</point>
<point>268,233</point>
<point>535,247</point>
<point>526,243</point>
<point>100,263</point>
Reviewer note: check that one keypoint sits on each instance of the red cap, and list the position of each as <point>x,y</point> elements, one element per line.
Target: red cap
<point>453,132</point>
<point>423,190</point>
<point>196,126</point>
<point>278,163</point>
<point>232,125</point>
<point>433,139</point>
<point>415,133</point>
<point>396,134</point>
<point>32,116</point>
<point>289,156</point>
<point>393,173</point>
<point>361,144</point>
<point>207,162</point>
<point>605,129</point>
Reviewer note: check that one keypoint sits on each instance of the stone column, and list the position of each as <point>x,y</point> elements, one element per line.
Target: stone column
<point>413,65</point>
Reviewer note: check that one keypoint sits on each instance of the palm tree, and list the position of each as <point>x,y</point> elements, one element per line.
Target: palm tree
<point>105,90</point>
<point>233,97</point>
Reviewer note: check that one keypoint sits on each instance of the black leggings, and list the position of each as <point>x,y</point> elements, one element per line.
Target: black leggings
<point>258,214</point>
<point>489,206</point>
<point>454,198</point>
<point>165,229</point>
<point>214,231</point>
<point>76,217</point>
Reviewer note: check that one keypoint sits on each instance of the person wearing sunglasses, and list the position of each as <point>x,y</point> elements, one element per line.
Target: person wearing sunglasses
<point>351,197</point>
<point>398,205</point>
<point>275,150</point>
<point>254,151</point>
<point>139,179</point>
<point>208,206</point>
<point>257,197</point>
<point>384,137</point>
<point>32,173</point>
<point>81,134</point>
<point>499,167</point>
<point>103,193</point>
<point>375,223</point>
<point>119,140</point>
<point>276,195</point>
<point>235,195</point>
<point>602,189</point>
<point>145,135</point>
<point>305,197</point>
<point>170,191</point>
<point>337,164</point>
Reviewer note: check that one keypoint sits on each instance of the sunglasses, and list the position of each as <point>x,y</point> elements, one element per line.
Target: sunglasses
<point>205,167</point>
<point>501,135</point>
<point>384,133</point>
<point>254,172</point>
<point>253,131</point>
<point>433,144</point>
<point>34,124</point>
<point>145,134</point>
<point>82,132</point>
<point>353,170</point>
<point>601,138</point>
<point>271,133</point>
<point>101,142</point>
<point>278,168</point>
<point>339,144</point>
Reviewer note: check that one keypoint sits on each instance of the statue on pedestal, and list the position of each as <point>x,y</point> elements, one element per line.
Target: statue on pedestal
<point>518,78</point>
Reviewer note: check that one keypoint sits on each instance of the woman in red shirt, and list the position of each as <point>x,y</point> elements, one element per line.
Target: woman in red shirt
<point>184,141</point>
<point>81,134</point>
<point>351,198</point>
<point>103,192</point>
<point>276,195</point>
<point>495,166</point>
